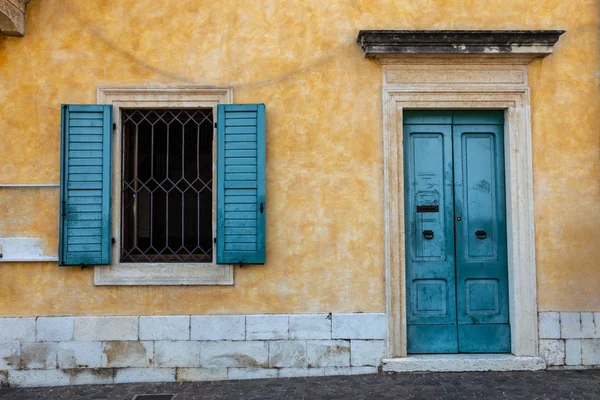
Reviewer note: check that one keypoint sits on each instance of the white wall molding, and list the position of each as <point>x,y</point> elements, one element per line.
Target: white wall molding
<point>450,83</point>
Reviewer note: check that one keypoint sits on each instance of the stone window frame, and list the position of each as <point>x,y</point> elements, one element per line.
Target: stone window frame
<point>158,273</point>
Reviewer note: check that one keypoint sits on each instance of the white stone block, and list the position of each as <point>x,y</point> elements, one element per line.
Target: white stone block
<point>235,354</point>
<point>54,329</point>
<point>165,328</point>
<point>21,329</point>
<point>300,372</point>
<point>38,377</point>
<point>590,352</point>
<point>105,328</point>
<point>359,326</point>
<point>10,355</point>
<point>251,373</point>
<point>91,376</point>
<point>328,353</point>
<point>127,354</point>
<point>311,326</point>
<point>131,375</point>
<point>287,353</point>
<point>266,327</point>
<point>597,323</point>
<point>549,325</point>
<point>366,352</point>
<point>350,370</point>
<point>177,354</point>
<point>570,325</point>
<point>218,327</point>
<point>38,355</point>
<point>79,355</point>
<point>552,351</point>
<point>573,352</point>
<point>201,374</point>
<point>588,330</point>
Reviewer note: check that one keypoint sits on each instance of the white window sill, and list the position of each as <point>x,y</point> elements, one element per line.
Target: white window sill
<point>163,274</point>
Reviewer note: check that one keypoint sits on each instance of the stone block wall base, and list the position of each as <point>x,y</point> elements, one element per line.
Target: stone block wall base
<point>462,363</point>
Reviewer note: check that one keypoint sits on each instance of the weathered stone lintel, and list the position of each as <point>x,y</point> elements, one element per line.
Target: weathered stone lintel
<point>12,17</point>
<point>385,43</point>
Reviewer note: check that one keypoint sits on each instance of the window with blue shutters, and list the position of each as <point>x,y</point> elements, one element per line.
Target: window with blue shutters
<point>164,189</point>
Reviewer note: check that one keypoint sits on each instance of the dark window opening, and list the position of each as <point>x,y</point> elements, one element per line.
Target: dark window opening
<point>167,172</point>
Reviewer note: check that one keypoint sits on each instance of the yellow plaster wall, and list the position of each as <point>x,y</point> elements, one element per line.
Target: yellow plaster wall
<point>324,171</point>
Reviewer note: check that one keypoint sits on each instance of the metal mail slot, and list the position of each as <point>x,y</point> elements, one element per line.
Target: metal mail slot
<point>428,209</point>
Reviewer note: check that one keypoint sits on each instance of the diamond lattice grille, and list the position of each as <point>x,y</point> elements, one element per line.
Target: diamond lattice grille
<point>167,174</point>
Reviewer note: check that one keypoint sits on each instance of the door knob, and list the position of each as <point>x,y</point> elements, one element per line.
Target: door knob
<point>428,234</point>
<point>481,234</point>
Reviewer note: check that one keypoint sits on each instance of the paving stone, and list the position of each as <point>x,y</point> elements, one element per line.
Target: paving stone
<point>266,327</point>
<point>552,351</point>
<point>127,375</point>
<point>21,329</point>
<point>201,374</point>
<point>590,351</point>
<point>287,353</point>
<point>251,373</point>
<point>311,326</point>
<point>124,354</point>
<point>165,328</point>
<point>54,329</point>
<point>105,328</point>
<point>250,354</point>
<point>177,354</point>
<point>218,327</point>
<point>328,353</point>
<point>358,326</point>
<point>10,355</point>
<point>79,355</point>
<point>573,352</point>
<point>549,325</point>
<point>366,352</point>
<point>38,355</point>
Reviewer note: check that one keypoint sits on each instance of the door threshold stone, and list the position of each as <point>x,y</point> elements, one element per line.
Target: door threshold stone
<point>462,363</point>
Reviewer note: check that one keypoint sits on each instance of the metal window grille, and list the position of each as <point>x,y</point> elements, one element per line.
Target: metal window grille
<point>167,173</point>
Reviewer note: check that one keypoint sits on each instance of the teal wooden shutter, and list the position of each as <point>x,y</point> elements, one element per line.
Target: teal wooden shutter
<point>241,206</point>
<point>85,185</point>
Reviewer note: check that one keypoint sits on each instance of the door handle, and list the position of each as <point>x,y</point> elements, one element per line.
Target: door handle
<point>481,234</point>
<point>428,234</point>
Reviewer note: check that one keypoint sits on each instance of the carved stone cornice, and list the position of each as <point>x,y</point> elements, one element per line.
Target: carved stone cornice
<point>12,17</point>
<point>382,44</point>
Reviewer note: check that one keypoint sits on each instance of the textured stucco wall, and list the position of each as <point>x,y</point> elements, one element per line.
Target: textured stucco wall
<point>324,171</point>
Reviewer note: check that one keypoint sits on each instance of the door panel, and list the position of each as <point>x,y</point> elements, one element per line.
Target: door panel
<point>430,239</point>
<point>455,224</point>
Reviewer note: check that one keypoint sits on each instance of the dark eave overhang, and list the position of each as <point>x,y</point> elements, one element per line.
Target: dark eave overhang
<point>389,43</point>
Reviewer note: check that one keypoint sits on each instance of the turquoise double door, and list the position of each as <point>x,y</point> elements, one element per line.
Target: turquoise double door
<point>455,215</point>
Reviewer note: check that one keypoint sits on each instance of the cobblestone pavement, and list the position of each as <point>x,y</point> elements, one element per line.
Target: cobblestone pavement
<point>480,385</point>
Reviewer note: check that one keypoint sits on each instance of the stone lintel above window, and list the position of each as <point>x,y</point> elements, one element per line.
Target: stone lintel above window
<point>12,17</point>
<point>389,43</point>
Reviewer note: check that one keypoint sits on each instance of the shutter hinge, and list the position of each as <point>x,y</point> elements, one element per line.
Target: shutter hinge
<point>113,241</point>
<point>215,125</point>
<point>215,240</point>
<point>114,126</point>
